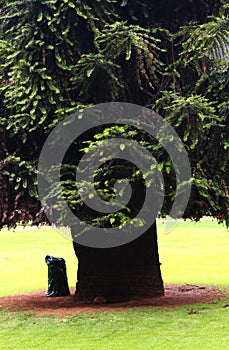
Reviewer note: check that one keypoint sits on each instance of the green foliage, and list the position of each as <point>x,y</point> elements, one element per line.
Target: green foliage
<point>20,170</point>
<point>199,125</point>
<point>207,42</point>
<point>134,43</point>
<point>38,51</point>
<point>194,117</point>
<point>92,67</point>
<point>58,56</point>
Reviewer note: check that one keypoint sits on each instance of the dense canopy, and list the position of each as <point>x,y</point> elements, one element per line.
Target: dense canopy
<point>58,56</point>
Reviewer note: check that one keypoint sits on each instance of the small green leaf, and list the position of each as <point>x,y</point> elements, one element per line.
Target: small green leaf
<point>112,220</point>
<point>24,184</point>
<point>89,72</point>
<point>39,19</point>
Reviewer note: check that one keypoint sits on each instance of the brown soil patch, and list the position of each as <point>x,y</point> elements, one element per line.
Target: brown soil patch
<point>175,295</point>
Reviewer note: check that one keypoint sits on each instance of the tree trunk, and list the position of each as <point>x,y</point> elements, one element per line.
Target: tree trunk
<point>120,273</point>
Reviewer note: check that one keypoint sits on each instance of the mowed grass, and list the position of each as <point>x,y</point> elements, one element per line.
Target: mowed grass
<point>134,329</point>
<point>195,253</point>
<point>191,253</point>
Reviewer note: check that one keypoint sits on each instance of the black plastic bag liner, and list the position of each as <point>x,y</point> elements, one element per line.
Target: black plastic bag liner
<point>57,277</point>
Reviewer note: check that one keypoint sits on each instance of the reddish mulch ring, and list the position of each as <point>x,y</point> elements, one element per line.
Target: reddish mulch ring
<point>175,295</point>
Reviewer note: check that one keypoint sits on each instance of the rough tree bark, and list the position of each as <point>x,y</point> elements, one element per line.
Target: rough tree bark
<point>120,273</point>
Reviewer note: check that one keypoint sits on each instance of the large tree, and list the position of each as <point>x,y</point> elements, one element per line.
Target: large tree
<point>57,57</point>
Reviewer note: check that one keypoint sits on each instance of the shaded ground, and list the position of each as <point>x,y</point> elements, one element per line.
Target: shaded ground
<point>175,295</point>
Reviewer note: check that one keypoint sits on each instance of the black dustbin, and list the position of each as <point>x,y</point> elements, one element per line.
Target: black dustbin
<point>57,277</point>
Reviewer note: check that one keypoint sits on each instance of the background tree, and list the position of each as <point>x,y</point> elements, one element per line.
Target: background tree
<point>59,56</point>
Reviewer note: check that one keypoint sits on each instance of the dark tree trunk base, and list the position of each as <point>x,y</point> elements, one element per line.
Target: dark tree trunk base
<point>119,274</point>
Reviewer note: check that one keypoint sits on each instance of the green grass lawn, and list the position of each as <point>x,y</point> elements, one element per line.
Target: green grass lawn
<point>195,253</point>
<point>191,253</point>
<point>144,329</point>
